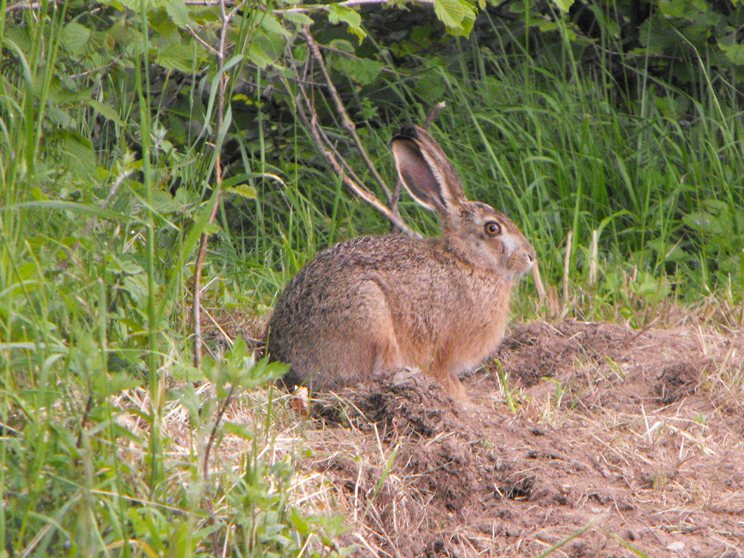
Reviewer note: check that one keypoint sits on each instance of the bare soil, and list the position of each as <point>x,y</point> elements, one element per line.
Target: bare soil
<point>621,443</point>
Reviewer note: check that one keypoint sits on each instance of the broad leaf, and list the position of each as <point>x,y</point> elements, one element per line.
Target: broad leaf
<point>298,18</point>
<point>735,53</point>
<point>74,37</point>
<point>107,111</point>
<point>563,5</point>
<point>451,12</point>
<point>343,14</point>
<point>178,13</point>
<point>360,70</point>
<point>244,191</point>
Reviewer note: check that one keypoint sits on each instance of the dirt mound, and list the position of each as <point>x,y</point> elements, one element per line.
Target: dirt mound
<point>628,441</point>
<point>407,403</point>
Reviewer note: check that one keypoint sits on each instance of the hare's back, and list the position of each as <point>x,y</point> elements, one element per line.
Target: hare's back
<point>346,283</point>
<point>365,258</point>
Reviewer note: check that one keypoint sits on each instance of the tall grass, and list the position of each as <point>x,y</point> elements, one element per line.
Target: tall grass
<point>110,441</point>
<point>662,187</point>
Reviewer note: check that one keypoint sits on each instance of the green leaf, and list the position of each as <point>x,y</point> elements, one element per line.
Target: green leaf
<point>74,37</point>
<point>683,9</point>
<point>259,56</point>
<point>273,26</point>
<point>179,13</point>
<point>163,202</point>
<point>107,111</point>
<point>360,70</point>
<point>457,15</point>
<point>239,430</point>
<point>106,385</point>
<point>244,191</point>
<point>465,28</point>
<point>299,523</point>
<point>451,12</point>
<point>344,14</point>
<point>298,18</point>
<point>77,152</point>
<point>563,5</point>
<point>176,56</point>
<point>734,52</point>
<point>706,223</point>
<point>136,5</point>
<point>79,208</point>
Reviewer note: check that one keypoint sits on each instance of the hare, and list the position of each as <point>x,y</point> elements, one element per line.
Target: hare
<point>381,303</point>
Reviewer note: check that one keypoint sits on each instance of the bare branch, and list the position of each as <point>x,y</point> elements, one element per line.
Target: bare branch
<point>309,8</point>
<point>226,18</point>
<point>201,41</point>
<point>213,433</point>
<point>346,120</point>
<point>308,116</point>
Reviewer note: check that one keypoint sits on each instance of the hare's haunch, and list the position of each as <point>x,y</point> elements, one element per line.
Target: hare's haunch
<point>377,304</point>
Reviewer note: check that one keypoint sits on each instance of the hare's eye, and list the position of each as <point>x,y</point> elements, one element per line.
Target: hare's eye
<point>492,228</point>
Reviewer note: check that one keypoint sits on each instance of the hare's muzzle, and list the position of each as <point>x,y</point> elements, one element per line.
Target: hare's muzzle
<point>521,260</point>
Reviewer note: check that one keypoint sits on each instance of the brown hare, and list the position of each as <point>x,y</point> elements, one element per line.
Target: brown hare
<point>381,303</point>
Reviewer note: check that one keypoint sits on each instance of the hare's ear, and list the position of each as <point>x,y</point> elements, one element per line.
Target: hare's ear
<point>426,172</point>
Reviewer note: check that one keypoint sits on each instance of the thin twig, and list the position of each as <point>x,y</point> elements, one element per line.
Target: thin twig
<point>310,121</point>
<point>202,42</point>
<point>204,239</point>
<point>213,434</point>
<point>115,187</point>
<point>346,120</point>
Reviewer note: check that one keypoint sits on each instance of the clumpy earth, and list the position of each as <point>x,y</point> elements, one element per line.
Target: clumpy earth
<point>619,442</point>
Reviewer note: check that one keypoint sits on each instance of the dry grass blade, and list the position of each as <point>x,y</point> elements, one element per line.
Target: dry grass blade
<point>560,544</point>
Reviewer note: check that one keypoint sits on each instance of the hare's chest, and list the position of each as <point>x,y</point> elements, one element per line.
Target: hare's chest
<point>477,315</point>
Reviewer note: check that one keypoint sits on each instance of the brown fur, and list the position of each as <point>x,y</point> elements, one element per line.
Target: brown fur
<point>375,304</point>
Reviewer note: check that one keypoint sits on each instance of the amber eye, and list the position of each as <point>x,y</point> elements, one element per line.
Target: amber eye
<point>492,228</point>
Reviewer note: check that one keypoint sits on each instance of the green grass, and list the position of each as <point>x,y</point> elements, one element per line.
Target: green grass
<point>105,442</point>
<point>97,250</point>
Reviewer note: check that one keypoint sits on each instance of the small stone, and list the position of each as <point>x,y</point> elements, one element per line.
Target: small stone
<point>677,546</point>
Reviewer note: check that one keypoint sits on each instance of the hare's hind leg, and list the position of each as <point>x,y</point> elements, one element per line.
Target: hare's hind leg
<point>362,341</point>
<point>379,332</point>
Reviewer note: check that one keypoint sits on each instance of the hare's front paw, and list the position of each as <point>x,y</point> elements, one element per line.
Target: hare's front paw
<point>405,376</point>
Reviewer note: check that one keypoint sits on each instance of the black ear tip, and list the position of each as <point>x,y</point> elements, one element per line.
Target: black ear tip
<point>408,131</point>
